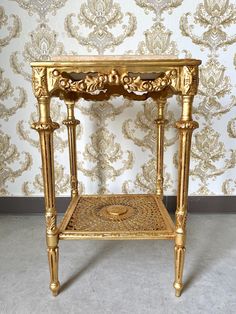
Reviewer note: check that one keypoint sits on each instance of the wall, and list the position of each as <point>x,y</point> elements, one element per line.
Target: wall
<point>122,129</point>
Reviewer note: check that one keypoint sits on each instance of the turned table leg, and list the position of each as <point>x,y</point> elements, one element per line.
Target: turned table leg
<point>185,126</point>
<point>160,121</point>
<point>71,124</point>
<point>45,127</point>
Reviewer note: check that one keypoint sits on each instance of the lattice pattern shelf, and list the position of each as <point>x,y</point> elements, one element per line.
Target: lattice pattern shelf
<point>132,216</point>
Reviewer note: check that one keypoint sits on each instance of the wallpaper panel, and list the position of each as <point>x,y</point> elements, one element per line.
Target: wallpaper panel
<point>116,138</point>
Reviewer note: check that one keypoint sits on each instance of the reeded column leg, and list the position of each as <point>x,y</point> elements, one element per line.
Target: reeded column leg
<point>45,127</point>
<point>185,126</point>
<point>53,257</point>
<point>71,124</point>
<point>160,121</point>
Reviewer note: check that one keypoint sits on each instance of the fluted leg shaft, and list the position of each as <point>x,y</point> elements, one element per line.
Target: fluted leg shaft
<point>185,126</point>
<point>160,121</point>
<point>53,256</point>
<point>45,127</point>
<point>71,124</point>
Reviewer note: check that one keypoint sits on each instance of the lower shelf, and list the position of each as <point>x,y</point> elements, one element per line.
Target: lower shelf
<point>120,216</point>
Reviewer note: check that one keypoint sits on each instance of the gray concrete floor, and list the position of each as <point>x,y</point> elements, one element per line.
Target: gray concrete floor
<point>118,276</point>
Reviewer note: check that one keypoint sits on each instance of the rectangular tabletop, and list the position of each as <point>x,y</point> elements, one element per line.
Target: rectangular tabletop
<point>72,60</point>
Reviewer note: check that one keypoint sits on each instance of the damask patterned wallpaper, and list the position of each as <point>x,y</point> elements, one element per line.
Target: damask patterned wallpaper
<point>116,140</point>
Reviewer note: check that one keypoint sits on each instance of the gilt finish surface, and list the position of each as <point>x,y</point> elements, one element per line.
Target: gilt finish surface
<point>115,216</point>
<point>133,216</point>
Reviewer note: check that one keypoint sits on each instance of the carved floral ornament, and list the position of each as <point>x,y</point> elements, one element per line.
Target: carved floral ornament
<point>96,83</point>
<point>39,81</point>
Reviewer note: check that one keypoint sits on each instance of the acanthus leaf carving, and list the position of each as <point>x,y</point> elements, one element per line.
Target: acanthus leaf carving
<point>50,218</point>
<point>39,82</point>
<point>189,80</point>
<point>94,84</point>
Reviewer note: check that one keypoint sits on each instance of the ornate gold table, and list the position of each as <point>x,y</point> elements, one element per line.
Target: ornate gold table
<point>122,216</point>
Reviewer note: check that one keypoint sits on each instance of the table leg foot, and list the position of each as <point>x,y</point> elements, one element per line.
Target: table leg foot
<point>178,289</point>
<point>55,287</point>
<point>179,265</point>
<point>53,267</point>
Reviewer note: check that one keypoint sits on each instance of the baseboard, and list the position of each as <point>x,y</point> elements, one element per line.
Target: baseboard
<point>205,204</point>
<point>196,204</point>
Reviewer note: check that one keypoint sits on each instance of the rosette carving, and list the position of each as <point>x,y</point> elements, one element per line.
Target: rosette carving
<point>136,84</point>
<point>94,84</point>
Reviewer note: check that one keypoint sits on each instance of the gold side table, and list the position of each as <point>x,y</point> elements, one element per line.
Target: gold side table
<point>121,216</point>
